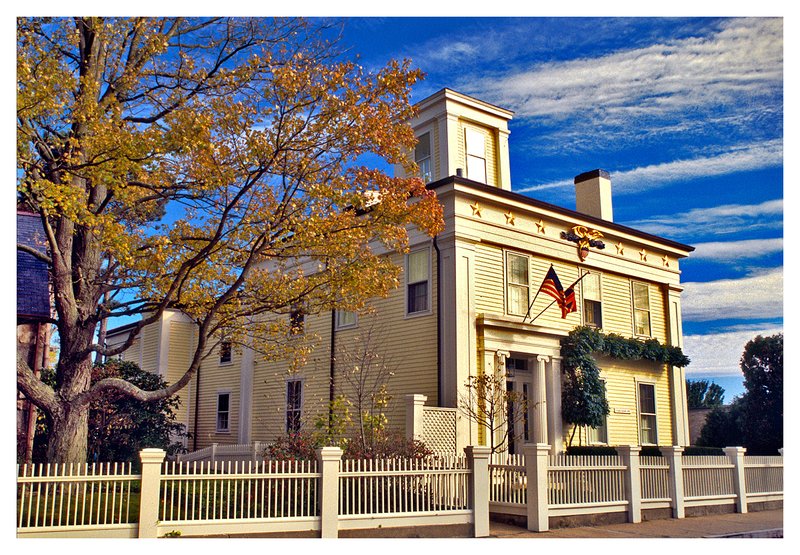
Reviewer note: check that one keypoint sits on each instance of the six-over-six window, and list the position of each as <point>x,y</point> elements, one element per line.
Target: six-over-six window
<point>418,281</point>
<point>517,284</point>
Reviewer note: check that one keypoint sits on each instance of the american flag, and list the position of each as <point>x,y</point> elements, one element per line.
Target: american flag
<point>565,299</point>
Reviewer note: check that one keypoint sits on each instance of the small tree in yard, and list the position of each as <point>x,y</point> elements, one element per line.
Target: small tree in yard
<point>489,404</point>
<point>365,372</point>
<point>209,165</point>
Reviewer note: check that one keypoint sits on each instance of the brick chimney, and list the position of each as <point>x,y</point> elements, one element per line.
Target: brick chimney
<point>593,194</point>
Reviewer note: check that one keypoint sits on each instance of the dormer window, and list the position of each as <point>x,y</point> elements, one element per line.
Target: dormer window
<point>476,155</point>
<point>422,156</point>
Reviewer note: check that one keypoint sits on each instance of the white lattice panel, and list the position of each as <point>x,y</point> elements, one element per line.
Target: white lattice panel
<point>439,430</point>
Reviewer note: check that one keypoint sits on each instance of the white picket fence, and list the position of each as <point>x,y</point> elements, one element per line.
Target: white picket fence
<point>60,500</point>
<point>244,497</point>
<point>541,486</point>
<point>329,494</point>
<point>227,452</point>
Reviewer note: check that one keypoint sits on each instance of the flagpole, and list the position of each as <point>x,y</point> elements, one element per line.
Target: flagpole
<point>528,313</point>
<point>554,300</point>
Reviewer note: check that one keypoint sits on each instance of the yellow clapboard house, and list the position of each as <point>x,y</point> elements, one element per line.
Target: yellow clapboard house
<point>467,304</point>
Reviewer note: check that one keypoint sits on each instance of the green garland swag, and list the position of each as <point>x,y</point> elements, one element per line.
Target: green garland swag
<point>583,400</point>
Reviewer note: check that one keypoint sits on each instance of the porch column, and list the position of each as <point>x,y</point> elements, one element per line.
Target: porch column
<point>540,400</point>
<point>555,425</point>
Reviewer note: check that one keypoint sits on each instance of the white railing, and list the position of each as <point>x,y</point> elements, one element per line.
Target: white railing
<point>763,477</point>
<point>227,452</point>
<point>372,488</point>
<point>541,486</point>
<point>655,480</point>
<point>245,497</point>
<point>508,483</point>
<point>54,498</point>
<point>708,479</point>
<point>582,481</point>
<point>328,495</point>
<point>228,491</point>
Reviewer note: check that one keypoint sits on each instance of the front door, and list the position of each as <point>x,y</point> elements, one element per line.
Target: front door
<point>518,385</point>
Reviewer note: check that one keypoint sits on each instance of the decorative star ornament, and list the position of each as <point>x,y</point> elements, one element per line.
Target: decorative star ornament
<point>620,249</point>
<point>476,209</point>
<point>540,227</point>
<point>643,255</point>
<point>509,218</point>
<point>665,261</point>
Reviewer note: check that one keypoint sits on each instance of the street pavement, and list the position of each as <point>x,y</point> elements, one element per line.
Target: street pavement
<point>762,524</point>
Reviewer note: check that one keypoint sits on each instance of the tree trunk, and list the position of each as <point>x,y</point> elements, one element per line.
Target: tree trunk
<point>68,437</point>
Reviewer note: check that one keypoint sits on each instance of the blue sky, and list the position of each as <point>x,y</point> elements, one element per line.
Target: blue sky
<point>685,113</point>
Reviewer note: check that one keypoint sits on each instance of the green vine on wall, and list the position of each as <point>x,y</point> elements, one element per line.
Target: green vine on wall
<point>583,400</point>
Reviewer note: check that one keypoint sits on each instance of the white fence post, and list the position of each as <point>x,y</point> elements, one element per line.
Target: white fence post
<point>674,456</point>
<point>329,460</point>
<point>150,491</point>
<point>478,459</point>
<point>633,480</point>
<point>415,405</point>
<point>536,471</point>
<point>736,456</point>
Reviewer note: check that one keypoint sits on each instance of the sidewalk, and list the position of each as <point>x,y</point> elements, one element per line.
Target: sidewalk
<point>762,524</point>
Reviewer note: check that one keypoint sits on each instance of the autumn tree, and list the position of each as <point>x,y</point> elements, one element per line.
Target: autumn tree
<point>209,165</point>
<point>121,426</point>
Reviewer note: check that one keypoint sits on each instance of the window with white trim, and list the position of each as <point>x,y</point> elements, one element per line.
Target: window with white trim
<point>422,156</point>
<point>647,414</point>
<point>476,154</point>
<point>592,300</point>
<point>517,284</point>
<point>294,405</point>
<point>641,308</point>
<point>346,319</point>
<point>223,412</point>
<point>418,281</point>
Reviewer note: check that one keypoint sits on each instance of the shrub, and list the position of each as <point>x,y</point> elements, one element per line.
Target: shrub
<point>591,450</point>
<point>298,446</point>
<point>389,445</point>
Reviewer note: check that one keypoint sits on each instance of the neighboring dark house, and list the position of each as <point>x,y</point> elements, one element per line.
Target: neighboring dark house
<point>697,419</point>
<point>34,317</point>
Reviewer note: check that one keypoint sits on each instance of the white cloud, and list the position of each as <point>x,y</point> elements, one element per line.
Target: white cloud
<point>719,220</point>
<point>741,158</point>
<point>718,354</point>
<point>756,296</point>
<point>733,251</point>
<point>741,62</point>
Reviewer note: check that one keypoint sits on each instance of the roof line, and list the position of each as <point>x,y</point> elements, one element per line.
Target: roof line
<point>511,195</point>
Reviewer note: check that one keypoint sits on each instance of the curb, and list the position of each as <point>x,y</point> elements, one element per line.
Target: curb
<point>771,533</point>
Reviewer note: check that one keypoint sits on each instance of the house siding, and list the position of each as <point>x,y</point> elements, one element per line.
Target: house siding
<point>218,378</point>
<point>622,379</point>
<point>406,344</point>
<point>181,349</point>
